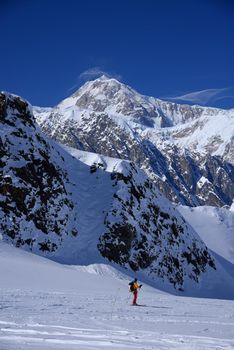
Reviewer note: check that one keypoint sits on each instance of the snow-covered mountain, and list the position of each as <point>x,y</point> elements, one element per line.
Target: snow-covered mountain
<point>215,226</point>
<point>80,208</point>
<point>187,150</point>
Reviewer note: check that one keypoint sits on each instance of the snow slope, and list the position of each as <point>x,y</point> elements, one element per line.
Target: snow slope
<point>20,269</point>
<point>45,305</point>
<point>215,226</point>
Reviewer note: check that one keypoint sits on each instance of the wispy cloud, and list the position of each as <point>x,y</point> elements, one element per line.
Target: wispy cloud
<point>203,97</point>
<point>93,73</point>
<point>96,72</point>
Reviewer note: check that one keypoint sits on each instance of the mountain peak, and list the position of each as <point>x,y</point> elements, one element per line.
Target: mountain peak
<point>105,82</point>
<point>108,95</point>
<point>103,77</point>
<point>106,77</point>
<point>99,87</point>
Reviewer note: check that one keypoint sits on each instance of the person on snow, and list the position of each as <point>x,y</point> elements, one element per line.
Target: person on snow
<point>133,287</point>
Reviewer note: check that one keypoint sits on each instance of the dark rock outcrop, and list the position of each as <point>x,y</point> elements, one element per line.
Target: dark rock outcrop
<point>36,209</point>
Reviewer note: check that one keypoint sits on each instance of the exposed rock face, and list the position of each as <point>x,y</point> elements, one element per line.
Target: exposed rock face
<point>36,209</point>
<point>186,150</point>
<point>145,233</point>
<point>193,179</point>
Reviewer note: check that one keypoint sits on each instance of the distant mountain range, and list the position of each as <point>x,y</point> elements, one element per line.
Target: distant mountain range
<point>77,207</point>
<point>188,151</point>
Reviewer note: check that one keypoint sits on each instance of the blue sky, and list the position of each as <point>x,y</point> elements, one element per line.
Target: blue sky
<point>183,50</point>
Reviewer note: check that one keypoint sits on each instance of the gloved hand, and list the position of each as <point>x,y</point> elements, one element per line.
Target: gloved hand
<point>140,285</point>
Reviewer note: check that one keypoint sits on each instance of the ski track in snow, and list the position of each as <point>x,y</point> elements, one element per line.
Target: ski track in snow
<point>59,320</point>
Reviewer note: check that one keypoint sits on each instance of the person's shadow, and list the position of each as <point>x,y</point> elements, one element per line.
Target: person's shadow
<point>154,307</point>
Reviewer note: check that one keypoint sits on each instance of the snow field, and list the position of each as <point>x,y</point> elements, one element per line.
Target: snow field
<point>45,305</point>
<point>215,226</point>
<point>49,320</point>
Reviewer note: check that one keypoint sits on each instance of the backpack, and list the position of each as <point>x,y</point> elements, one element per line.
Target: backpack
<point>131,286</point>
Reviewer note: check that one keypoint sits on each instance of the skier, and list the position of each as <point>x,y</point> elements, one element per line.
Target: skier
<point>133,286</point>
